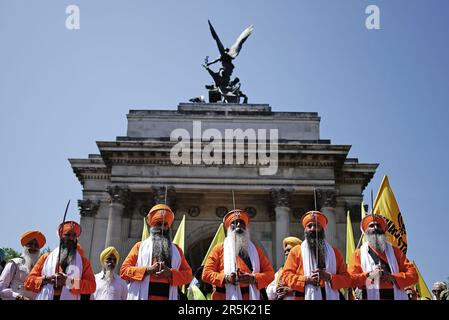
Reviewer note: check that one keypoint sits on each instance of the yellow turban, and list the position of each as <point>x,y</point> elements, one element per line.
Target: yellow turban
<point>107,252</point>
<point>292,241</point>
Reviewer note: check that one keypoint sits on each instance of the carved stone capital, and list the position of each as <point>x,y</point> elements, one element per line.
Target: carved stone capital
<point>159,197</point>
<point>280,197</point>
<point>118,194</point>
<point>88,208</point>
<point>326,198</point>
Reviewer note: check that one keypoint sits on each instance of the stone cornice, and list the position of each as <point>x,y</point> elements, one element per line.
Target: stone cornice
<point>217,111</point>
<point>357,173</point>
<point>90,169</point>
<point>156,152</point>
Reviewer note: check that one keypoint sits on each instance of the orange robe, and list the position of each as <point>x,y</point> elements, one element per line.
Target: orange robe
<point>294,278</point>
<point>33,281</point>
<point>407,272</point>
<point>213,272</point>
<point>130,272</point>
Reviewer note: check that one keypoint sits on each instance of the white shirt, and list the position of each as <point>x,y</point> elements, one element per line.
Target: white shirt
<point>12,280</point>
<point>115,290</point>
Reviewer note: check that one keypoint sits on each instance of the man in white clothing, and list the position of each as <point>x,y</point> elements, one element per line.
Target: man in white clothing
<point>109,285</point>
<point>16,270</point>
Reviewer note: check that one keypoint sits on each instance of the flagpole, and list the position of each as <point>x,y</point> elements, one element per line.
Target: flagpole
<point>316,237</point>
<point>235,247</point>
<point>163,220</point>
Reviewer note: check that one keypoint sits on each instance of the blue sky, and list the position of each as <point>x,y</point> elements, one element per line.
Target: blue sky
<point>385,92</point>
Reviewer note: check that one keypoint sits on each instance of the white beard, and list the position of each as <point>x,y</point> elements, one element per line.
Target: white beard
<point>377,241</point>
<point>239,241</point>
<point>30,258</point>
<point>108,275</point>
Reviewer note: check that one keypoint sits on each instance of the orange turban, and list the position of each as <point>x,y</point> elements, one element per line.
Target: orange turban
<point>292,241</point>
<point>373,217</point>
<point>233,215</point>
<point>311,216</point>
<point>69,226</point>
<point>33,234</point>
<point>159,213</point>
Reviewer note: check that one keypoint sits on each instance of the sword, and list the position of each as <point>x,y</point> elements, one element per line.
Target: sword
<point>58,262</point>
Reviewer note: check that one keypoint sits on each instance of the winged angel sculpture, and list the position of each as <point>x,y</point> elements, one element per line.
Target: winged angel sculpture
<point>225,89</point>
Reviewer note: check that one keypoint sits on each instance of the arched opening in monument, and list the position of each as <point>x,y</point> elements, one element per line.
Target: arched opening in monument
<point>195,253</point>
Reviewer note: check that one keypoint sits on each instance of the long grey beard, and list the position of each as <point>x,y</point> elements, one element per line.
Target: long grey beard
<point>377,241</point>
<point>162,248</point>
<point>30,258</point>
<point>67,256</point>
<point>239,241</point>
<point>317,244</point>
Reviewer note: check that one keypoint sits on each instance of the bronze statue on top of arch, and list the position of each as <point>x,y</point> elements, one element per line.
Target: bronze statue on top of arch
<point>224,89</point>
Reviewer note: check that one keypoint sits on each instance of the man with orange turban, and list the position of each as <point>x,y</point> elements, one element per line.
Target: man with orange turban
<point>315,269</point>
<point>65,273</point>
<point>237,268</point>
<point>276,289</point>
<point>380,270</point>
<point>156,267</point>
<point>16,270</point>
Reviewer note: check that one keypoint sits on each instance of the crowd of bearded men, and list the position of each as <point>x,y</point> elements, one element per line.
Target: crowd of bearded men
<point>236,269</point>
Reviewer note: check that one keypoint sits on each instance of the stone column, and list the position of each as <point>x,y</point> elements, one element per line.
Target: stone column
<point>281,200</point>
<point>159,196</point>
<point>326,200</point>
<point>88,210</point>
<point>119,198</point>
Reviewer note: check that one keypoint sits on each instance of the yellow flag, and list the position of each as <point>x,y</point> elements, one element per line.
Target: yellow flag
<point>218,238</point>
<point>350,245</point>
<point>386,206</point>
<point>421,286</point>
<point>363,212</point>
<point>145,231</point>
<point>179,236</point>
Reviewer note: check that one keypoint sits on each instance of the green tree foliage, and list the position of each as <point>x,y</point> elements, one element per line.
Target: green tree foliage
<point>10,253</point>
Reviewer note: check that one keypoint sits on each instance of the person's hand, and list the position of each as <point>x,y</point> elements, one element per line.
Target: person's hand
<point>151,270</point>
<point>375,274</point>
<point>61,279</point>
<point>313,280</point>
<point>322,274</point>
<point>164,271</point>
<point>248,278</point>
<point>282,291</point>
<point>231,278</point>
<point>49,280</point>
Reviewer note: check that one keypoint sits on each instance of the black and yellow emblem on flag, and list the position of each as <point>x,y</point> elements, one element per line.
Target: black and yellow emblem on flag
<point>386,206</point>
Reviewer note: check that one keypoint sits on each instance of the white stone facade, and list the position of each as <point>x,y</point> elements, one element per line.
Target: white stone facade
<point>129,175</point>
